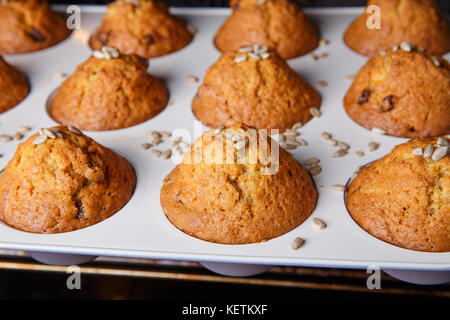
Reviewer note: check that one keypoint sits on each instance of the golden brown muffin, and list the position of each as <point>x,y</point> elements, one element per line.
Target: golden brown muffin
<point>108,94</point>
<point>143,27</point>
<point>404,198</point>
<point>29,25</point>
<point>407,94</point>
<point>264,93</point>
<point>14,86</point>
<point>63,183</point>
<point>415,21</point>
<point>221,192</point>
<point>279,24</point>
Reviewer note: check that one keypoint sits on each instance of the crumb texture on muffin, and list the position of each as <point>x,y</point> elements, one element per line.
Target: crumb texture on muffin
<point>30,25</point>
<point>279,24</point>
<point>108,94</point>
<point>407,94</point>
<point>264,93</point>
<point>233,203</point>
<point>63,184</point>
<point>146,28</point>
<point>404,199</point>
<point>416,21</point>
<point>14,86</point>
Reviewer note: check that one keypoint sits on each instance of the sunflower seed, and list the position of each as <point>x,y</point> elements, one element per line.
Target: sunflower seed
<point>436,61</point>
<point>428,152</point>
<point>146,146</point>
<point>48,133</point>
<point>439,153</point>
<point>442,142</point>
<point>75,130</point>
<point>338,187</point>
<point>417,151</point>
<point>246,49</point>
<point>18,136</point>
<point>292,133</point>
<point>395,48</point>
<point>297,126</point>
<point>311,161</point>
<point>340,153</point>
<point>319,224</point>
<point>166,154</point>
<point>373,146</point>
<point>58,75</point>
<point>191,29</point>
<point>192,79</point>
<point>377,130</point>
<point>40,139</point>
<point>332,142</point>
<point>323,55</point>
<point>405,46</point>
<point>5,138</point>
<point>289,146</point>
<point>359,154</point>
<point>23,129</point>
<point>315,112</point>
<point>165,134</point>
<point>297,243</point>
<point>325,135</point>
<point>315,170</point>
<point>156,153</point>
<point>324,42</point>
<point>383,53</point>
<point>322,84</point>
<point>314,57</point>
<point>155,135</point>
<point>265,55</point>
<point>254,56</point>
<point>239,59</point>
<point>343,145</point>
<point>302,142</point>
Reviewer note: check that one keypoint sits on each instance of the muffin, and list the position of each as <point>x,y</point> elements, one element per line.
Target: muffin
<point>415,21</point>
<point>142,27</point>
<point>279,24</point>
<point>256,87</point>
<point>404,92</point>
<point>60,180</point>
<point>236,186</point>
<point>14,86</point>
<point>404,198</point>
<point>29,25</point>
<point>109,91</point>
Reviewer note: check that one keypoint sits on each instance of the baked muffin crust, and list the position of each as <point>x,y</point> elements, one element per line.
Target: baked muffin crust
<point>63,184</point>
<point>415,21</point>
<point>407,94</point>
<point>29,25</point>
<point>108,94</point>
<point>279,24</point>
<point>14,86</point>
<point>231,202</point>
<point>262,93</point>
<point>404,198</point>
<point>147,29</point>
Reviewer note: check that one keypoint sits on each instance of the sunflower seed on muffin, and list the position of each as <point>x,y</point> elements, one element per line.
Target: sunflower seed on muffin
<point>417,151</point>
<point>428,152</point>
<point>439,153</point>
<point>75,130</point>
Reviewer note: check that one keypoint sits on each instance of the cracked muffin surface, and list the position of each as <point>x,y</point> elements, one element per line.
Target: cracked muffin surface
<point>415,21</point>
<point>29,25</point>
<point>108,94</point>
<point>279,24</point>
<point>264,93</point>
<point>407,94</point>
<point>404,199</point>
<point>14,86</point>
<point>63,184</point>
<point>217,196</point>
<point>145,28</point>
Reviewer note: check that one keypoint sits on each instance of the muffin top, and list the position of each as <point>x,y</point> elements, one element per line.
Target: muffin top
<point>405,92</point>
<point>107,93</point>
<point>60,180</point>
<point>227,191</point>
<point>256,87</point>
<point>416,21</point>
<point>279,24</point>
<point>404,198</point>
<point>14,86</point>
<point>143,27</point>
<point>29,25</point>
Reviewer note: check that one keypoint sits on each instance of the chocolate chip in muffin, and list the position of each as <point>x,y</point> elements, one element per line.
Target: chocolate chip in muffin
<point>388,103</point>
<point>103,38</point>
<point>37,35</point>
<point>150,39</point>
<point>364,97</point>
<point>80,208</point>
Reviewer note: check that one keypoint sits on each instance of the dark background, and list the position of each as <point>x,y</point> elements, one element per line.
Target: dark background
<point>445,4</point>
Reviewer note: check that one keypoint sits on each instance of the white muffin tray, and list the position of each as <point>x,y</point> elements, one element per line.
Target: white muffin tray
<point>141,229</point>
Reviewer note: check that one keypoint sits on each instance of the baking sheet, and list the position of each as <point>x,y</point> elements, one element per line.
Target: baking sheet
<point>140,229</point>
